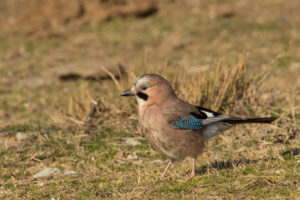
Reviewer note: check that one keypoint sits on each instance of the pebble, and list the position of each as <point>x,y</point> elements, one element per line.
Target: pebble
<point>4,192</point>
<point>157,161</point>
<point>46,172</point>
<point>138,162</point>
<point>21,136</point>
<point>41,184</point>
<point>121,161</point>
<point>133,142</point>
<point>71,172</point>
<point>132,156</point>
<point>278,172</point>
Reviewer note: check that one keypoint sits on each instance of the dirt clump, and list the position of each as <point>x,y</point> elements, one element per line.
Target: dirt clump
<point>54,18</point>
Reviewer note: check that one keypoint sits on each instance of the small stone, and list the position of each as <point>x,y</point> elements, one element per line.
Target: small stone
<point>133,142</point>
<point>157,161</point>
<point>138,162</point>
<point>71,172</point>
<point>21,136</point>
<point>121,161</point>
<point>132,157</point>
<point>46,172</point>
<point>4,192</point>
<point>41,184</point>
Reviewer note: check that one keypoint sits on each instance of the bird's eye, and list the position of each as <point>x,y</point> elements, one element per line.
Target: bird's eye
<point>144,87</point>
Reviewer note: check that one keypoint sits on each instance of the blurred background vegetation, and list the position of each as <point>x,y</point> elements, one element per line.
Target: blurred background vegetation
<point>63,64</point>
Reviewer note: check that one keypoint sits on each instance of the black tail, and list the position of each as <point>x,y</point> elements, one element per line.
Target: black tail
<point>264,120</point>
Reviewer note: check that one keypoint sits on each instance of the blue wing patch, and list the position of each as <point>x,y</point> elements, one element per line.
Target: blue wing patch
<point>193,123</point>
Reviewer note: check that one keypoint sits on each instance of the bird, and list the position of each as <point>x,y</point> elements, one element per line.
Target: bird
<point>174,127</point>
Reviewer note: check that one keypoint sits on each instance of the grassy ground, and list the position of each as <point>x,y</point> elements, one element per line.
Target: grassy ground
<point>248,50</point>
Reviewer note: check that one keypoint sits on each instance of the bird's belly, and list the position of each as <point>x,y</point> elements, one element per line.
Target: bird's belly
<point>160,144</point>
<point>176,146</point>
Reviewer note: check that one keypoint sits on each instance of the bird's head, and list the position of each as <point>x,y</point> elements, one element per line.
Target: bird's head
<point>150,88</point>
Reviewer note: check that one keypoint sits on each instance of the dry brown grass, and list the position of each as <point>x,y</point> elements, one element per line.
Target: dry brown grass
<point>83,125</point>
<point>233,90</point>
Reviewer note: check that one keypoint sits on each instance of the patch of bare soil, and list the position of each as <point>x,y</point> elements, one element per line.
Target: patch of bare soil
<point>88,70</point>
<point>42,19</point>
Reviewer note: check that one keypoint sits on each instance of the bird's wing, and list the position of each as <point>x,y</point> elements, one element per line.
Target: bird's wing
<point>213,117</point>
<point>192,123</point>
<point>185,116</point>
<point>208,113</point>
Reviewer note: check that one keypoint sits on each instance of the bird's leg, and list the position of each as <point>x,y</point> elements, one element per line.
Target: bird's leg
<point>193,168</point>
<point>166,169</point>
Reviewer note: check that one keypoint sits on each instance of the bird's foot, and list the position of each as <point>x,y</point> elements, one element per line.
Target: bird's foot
<point>193,174</point>
<point>166,169</point>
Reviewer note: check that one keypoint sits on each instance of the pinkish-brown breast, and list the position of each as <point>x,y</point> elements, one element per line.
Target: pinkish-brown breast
<point>175,143</point>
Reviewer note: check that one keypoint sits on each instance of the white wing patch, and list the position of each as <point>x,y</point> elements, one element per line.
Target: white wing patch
<point>208,114</point>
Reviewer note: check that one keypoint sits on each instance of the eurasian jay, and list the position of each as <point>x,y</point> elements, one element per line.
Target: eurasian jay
<point>174,127</point>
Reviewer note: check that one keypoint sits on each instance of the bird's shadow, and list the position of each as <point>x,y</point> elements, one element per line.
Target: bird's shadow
<point>230,164</point>
<point>224,164</point>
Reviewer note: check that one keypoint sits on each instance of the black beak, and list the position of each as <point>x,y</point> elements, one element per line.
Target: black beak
<point>127,93</point>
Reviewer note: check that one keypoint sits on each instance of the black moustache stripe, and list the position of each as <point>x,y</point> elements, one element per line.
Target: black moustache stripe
<point>142,96</point>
